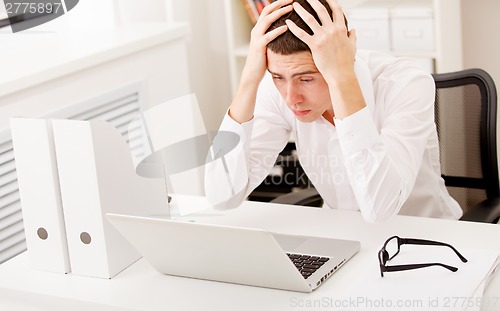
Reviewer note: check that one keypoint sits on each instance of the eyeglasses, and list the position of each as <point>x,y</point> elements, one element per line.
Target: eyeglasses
<point>391,249</point>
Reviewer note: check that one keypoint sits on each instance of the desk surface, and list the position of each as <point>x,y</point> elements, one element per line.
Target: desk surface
<point>140,287</point>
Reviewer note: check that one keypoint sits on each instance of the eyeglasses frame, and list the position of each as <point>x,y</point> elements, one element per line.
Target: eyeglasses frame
<point>383,255</point>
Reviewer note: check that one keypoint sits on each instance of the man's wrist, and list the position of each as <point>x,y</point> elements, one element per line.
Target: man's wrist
<point>250,80</point>
<point>346,94</point>
<point>341,78</point>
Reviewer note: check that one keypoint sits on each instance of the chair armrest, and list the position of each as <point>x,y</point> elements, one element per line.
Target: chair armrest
<point>486,211</point>
<point>304,197</point>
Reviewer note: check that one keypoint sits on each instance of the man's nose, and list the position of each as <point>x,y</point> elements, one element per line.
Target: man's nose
<point>293,95</point>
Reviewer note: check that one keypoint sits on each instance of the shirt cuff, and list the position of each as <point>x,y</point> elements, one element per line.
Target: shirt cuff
<point>244,130</point>
<point>357,132</point>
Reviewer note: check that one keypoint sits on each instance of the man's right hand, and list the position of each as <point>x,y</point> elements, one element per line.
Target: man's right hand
<point>243,104</point>
<point>256,63</point>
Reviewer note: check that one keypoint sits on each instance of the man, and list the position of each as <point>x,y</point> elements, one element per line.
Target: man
<point>363,121</point>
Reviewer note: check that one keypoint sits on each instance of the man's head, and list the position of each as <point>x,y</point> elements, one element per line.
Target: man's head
<point>290,62</point>
<point>288,43</point>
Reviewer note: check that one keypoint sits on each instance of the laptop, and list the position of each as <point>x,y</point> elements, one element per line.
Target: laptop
<point>234,254</point>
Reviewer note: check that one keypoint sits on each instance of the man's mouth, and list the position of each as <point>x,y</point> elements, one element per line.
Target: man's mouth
<point>301,113</point>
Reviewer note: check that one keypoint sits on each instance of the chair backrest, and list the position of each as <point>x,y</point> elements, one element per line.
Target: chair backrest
<point>465,115</point>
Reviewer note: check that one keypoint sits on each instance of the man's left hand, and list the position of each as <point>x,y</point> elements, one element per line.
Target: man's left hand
<point>333,47</point>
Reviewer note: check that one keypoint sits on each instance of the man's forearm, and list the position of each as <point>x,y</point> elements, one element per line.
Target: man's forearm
<point>346,95</point>
<point>243,104</point>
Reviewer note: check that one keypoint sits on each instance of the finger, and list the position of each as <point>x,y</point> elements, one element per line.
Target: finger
<point>352,38</point>
<point>273,34</point>
<point>321,10</point>
<point>298,32</point>
<point>331,3</point>
<point>352,34</point>
<point>307,17</point>
<point>337,13</point>
<point>265,21</point>
<point>274,15</point>
<point>274,6</point>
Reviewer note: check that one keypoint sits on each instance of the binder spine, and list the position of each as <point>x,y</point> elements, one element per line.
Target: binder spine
<point>97,176</point>
<point>36,167</point>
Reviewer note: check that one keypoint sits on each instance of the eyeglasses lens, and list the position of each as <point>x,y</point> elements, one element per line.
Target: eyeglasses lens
<point>392,247</point>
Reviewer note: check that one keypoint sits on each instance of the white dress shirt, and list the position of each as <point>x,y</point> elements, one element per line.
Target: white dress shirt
<point>382,160</point>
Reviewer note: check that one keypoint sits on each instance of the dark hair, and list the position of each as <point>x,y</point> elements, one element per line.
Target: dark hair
<point>288,43</point>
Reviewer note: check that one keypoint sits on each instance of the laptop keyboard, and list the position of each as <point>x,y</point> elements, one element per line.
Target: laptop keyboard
<point>306,264</point>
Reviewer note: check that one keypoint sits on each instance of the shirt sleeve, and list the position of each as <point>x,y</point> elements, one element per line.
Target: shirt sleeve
<point>383,148</point>
<point>231,175</point>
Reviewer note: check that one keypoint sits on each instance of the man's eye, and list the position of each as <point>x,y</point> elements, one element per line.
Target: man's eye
<point>277,78</point>
<point>306,80</point>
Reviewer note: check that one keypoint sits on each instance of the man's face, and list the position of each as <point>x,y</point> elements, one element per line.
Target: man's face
<point>301,85</point>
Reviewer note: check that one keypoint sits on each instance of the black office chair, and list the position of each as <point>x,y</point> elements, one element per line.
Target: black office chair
<point>465,115</point>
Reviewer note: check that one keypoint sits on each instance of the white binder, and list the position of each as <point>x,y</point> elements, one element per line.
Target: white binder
<point>97,176</point>
<point>40,195</point>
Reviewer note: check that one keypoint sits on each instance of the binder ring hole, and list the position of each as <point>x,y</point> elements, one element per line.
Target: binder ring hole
<point>85,238</point>
<point>42,233</point>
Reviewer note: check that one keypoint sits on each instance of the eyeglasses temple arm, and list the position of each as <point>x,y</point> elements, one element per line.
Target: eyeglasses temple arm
<point>429,242</point>
<point>417,266</point>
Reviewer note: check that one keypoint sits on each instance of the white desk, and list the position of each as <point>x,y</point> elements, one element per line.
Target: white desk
<point>142,288</point>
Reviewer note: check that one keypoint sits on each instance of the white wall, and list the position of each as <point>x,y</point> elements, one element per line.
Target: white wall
<point>152,68</point>
<point>481,44</point>
<point>207,56</point>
